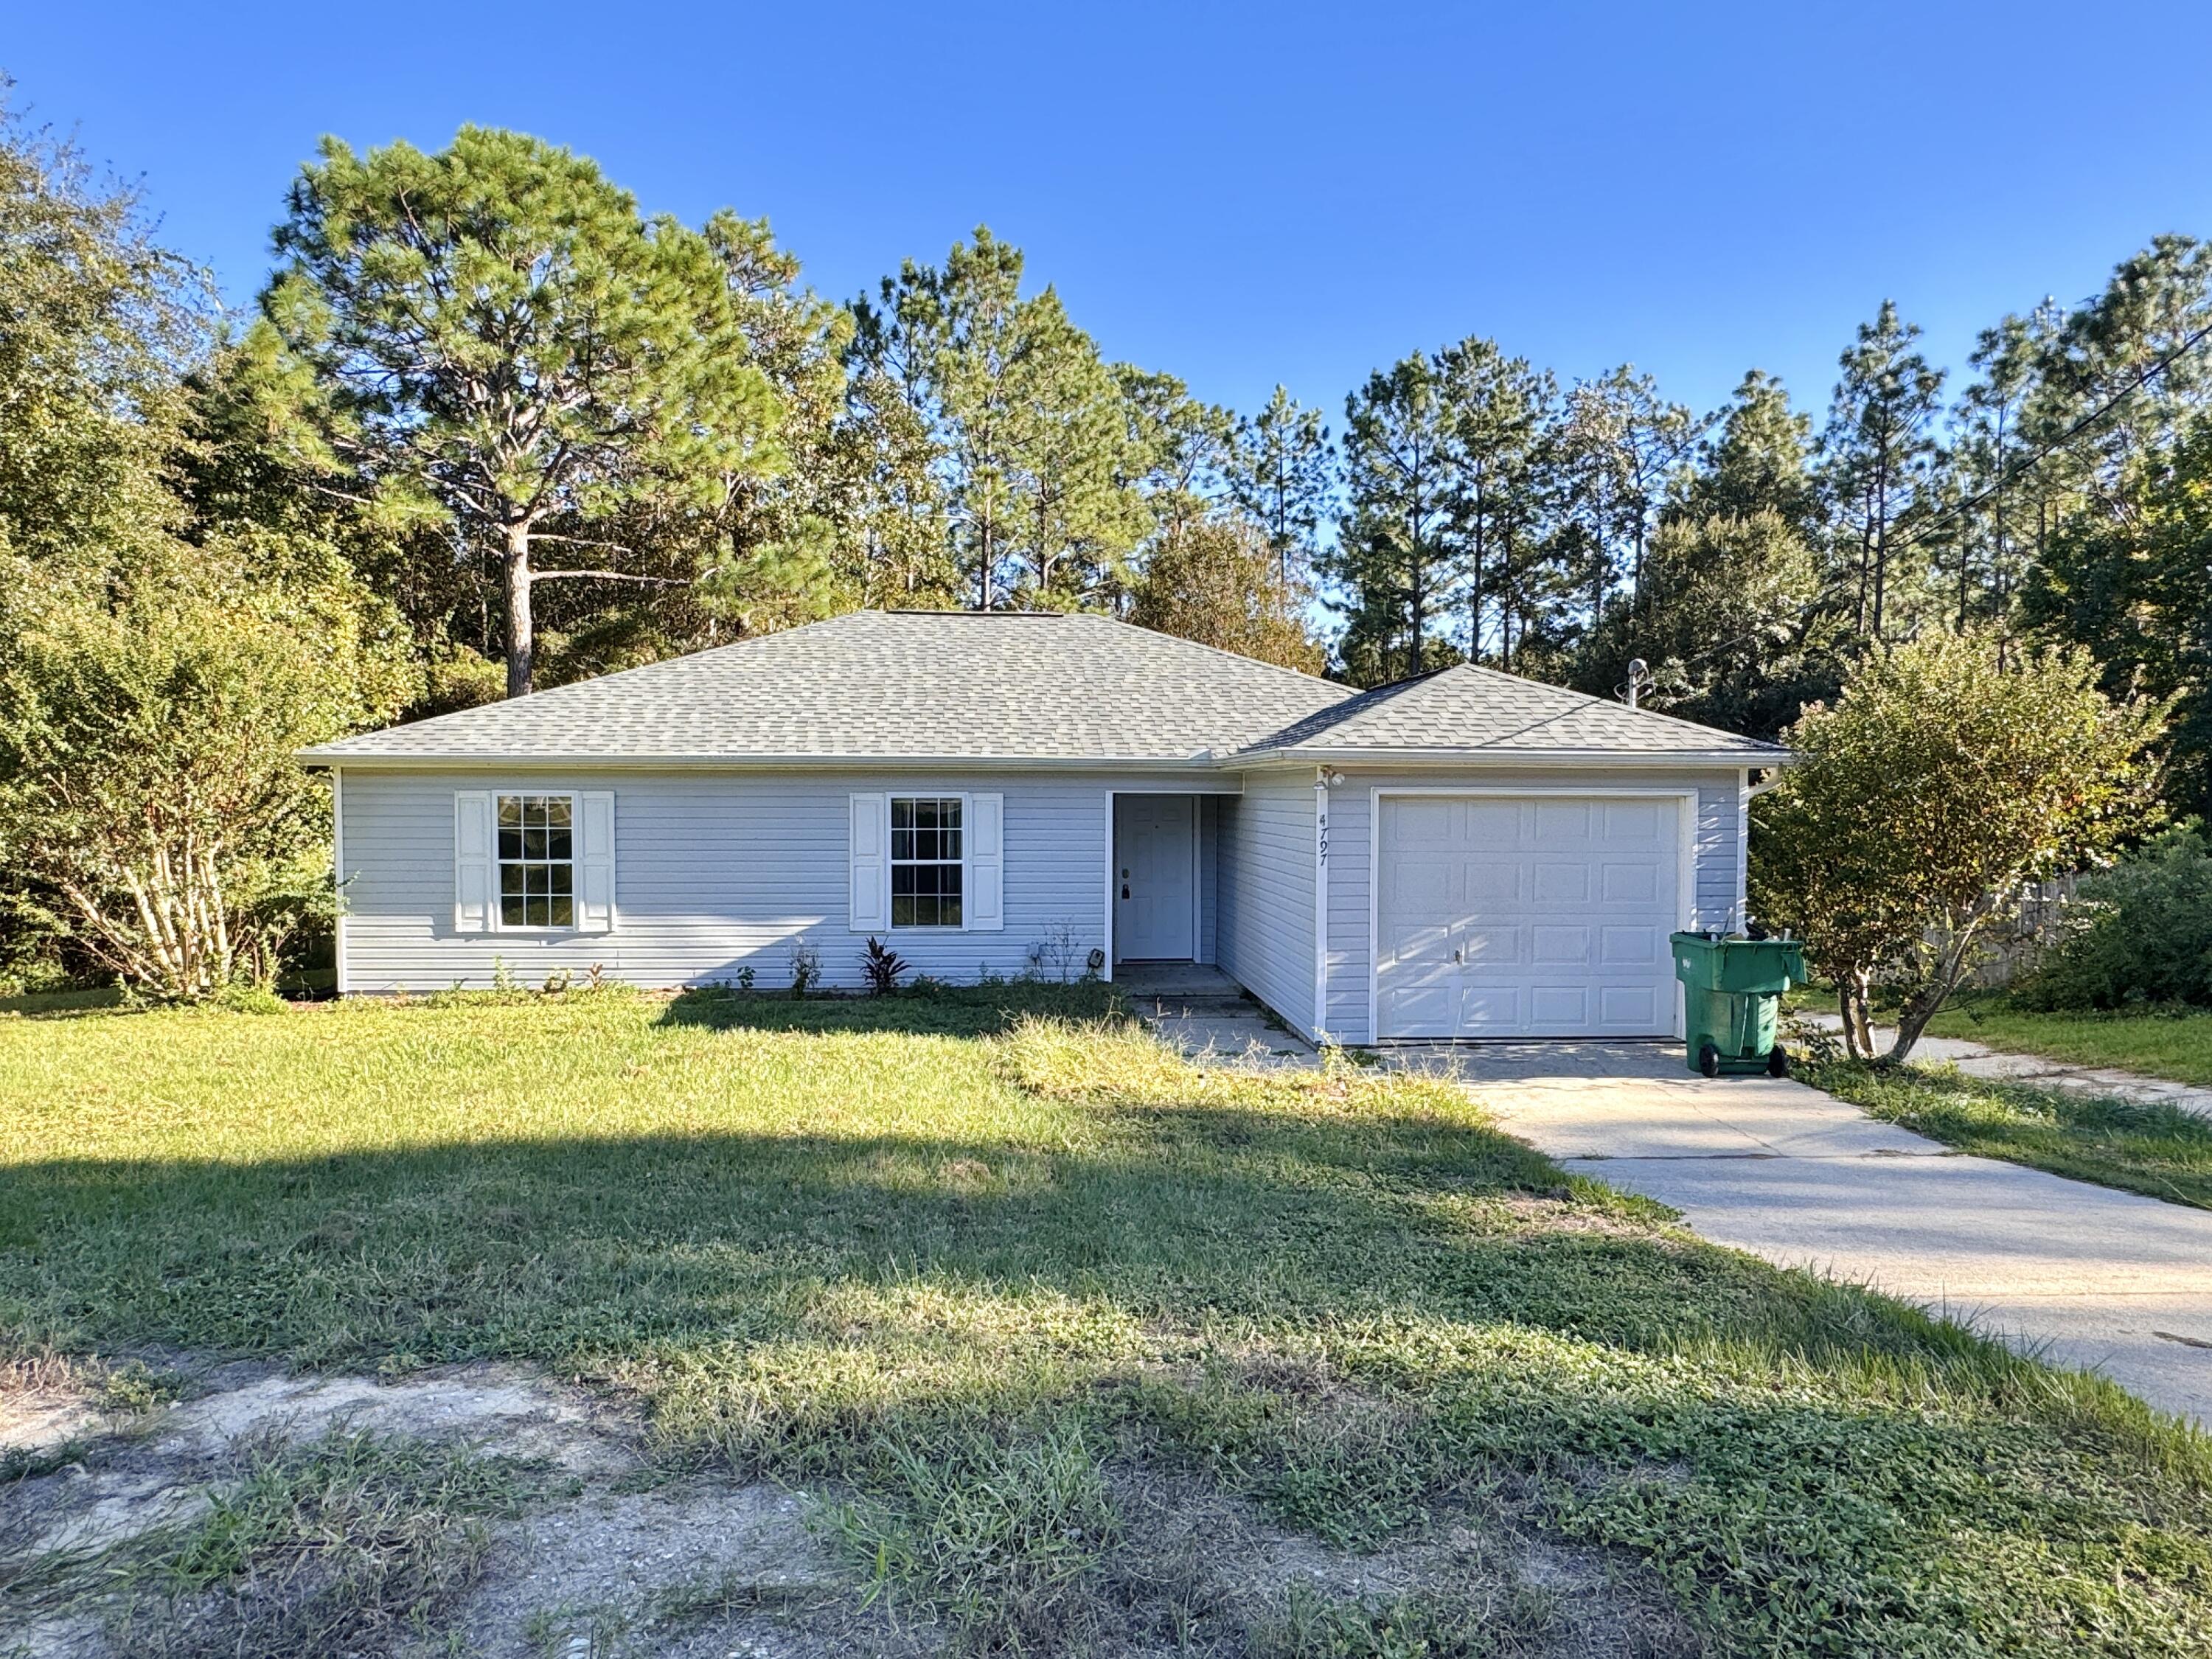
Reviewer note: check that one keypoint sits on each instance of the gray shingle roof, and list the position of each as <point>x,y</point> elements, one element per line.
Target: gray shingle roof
<point>953,685</point>
<point>1465,708</point>
<point>912,685</point>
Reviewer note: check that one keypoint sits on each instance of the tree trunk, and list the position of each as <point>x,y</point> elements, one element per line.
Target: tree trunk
<point>1853,993</point>
<point>518,632</point>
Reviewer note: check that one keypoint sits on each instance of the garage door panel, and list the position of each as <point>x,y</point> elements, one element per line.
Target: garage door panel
<point>1550,946</point>
<point>1526,916</point>
<point>1633,1007</point>
<point>1628,947</point>
<point>1425,824</point>
<point>1561,883</point>
<point>1487,886</point>
<point>1558,1010</point>
<point>1563,823</point>
<point>1637,823</point>
<point>1495,1009</point>
<point>1624,883</point>
<point>1490,947</point>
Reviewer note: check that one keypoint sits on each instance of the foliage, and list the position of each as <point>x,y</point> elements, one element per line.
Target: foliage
<point>95,319</point>
<point>941,1255</point>
<point>2138,933</point>
<point>881,966</point>
<point>805,969</point>
<point>506,350</point>
<point>1936,785</point>
<point>147,775</point>
<point>2151,1147</point>
<point>1219,583</point>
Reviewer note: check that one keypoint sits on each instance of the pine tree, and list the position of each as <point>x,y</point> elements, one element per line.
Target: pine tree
<point>1281,472</point>
<point>1878,458</point>
<point>1498,409</point>
<point>1399,555</point>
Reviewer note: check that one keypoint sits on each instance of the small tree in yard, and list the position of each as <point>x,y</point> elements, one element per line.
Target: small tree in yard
<point>1938,786</point>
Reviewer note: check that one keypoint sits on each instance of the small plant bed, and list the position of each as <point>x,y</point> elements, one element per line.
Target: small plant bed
<point>2149,1148</point>
<point>1060,1344</point>
<point>2171,1043</point>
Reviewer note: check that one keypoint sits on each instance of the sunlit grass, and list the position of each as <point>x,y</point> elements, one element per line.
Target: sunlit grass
<point>968,1261</point>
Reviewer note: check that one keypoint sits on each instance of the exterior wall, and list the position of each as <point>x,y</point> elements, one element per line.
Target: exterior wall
<point>1265,902</point>
<point>1718,857</point>
<point>714,872</point>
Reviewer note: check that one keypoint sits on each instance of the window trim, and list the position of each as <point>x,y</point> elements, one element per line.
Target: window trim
<point>891,861</point>
<point>497,907</point>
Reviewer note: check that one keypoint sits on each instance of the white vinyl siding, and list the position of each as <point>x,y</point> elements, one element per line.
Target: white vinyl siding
<point>1264,892</point>
<point>716,871</point>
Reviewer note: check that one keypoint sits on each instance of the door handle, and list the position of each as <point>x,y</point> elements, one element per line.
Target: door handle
<point>1125,890</point>
<point>1459,956</point>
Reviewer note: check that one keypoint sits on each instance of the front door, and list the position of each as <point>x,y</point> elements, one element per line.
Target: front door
<point>1155,878</point>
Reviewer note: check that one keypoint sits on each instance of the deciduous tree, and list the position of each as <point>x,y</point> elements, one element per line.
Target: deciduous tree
<point>1936,786</point>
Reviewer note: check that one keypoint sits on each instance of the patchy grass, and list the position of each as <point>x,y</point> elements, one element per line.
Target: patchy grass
<point>350,1544</point>
<point>2139,1148</point>
<point>2163,1043</point>
<point>983,1264</point>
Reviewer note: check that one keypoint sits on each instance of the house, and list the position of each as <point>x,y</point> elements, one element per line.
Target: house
<point>1462,854</point>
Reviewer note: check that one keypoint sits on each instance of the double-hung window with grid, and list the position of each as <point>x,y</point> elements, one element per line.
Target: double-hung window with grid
<point>926,860</point>
<point>537,862</point>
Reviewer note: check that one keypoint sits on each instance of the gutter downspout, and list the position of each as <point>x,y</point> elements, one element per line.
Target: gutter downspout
<point>1320,904</point>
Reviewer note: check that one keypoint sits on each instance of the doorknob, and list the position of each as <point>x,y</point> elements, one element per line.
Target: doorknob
<point>1459,955</point>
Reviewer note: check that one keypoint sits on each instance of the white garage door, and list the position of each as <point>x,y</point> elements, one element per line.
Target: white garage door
<point>1537,915</point>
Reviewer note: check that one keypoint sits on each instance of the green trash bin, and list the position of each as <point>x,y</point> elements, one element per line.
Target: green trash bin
<point>1732,1001</point>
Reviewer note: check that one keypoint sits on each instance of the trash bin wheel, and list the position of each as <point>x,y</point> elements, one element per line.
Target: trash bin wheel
<point>1777,1061</point>
<point>1709,1058</point>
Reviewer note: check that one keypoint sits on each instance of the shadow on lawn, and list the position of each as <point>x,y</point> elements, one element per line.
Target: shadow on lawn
<point>588,1251</point>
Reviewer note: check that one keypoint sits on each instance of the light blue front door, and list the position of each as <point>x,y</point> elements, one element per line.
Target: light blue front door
<point>1156,877</point>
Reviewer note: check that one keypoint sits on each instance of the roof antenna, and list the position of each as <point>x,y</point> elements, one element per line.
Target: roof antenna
<point>1640,676</point>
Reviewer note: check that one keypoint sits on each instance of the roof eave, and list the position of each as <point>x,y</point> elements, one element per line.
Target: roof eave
<point>1486,756</point>
<point>323,756</point>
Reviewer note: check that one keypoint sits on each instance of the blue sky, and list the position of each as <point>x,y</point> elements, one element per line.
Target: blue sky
<point>1242,195</point>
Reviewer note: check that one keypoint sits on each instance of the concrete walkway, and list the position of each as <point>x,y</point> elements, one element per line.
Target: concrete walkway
<point>2100,1082</point>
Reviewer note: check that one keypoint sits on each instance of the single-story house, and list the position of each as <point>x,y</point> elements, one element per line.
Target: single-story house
<point>1462,854</point>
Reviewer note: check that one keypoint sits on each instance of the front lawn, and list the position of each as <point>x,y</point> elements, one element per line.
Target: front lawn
<point>988,1269</point>
<point>2168,1045</point>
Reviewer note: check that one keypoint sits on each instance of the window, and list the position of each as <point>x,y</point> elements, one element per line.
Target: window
<point>926,861</point>
<point>537,862</point>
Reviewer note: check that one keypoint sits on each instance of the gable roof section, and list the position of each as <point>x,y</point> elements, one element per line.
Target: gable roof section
<point>890,686</point>
<point>917,687</point>
<point>1480,713</point>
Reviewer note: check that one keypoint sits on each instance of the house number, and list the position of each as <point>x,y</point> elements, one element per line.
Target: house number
<point>1320,838</point>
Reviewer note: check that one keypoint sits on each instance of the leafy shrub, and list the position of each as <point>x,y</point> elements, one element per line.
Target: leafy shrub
<point>805,969</point>
<point>2142,932</point>
<point>881,966</point>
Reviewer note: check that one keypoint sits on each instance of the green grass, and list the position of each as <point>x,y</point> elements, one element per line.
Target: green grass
<point>2155,1149</point>
<point>2177,1046</point>
<point>973,1264</point>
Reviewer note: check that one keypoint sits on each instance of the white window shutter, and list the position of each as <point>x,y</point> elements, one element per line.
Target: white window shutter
<point>595,862</point>
<point>475,866</point>
<point>869,903</point>
<point>986,862</point>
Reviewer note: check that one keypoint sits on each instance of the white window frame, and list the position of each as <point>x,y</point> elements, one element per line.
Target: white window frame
<point>500,924</point>
<point>891,860</point>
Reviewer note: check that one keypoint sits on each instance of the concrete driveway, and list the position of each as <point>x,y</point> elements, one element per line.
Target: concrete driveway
<point>2097,1279</point>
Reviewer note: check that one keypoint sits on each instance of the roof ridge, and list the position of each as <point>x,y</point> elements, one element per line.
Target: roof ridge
<point>1603,702</point>
<point>1298,674</point>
